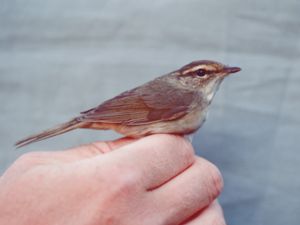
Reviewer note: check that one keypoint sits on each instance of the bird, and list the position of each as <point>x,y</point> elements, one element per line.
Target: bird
<point>174,103</point>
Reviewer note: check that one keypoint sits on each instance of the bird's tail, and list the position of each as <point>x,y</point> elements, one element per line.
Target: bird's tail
<point>60,129</point>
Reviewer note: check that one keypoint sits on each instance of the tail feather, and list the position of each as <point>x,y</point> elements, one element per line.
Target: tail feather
<point>60,129</point>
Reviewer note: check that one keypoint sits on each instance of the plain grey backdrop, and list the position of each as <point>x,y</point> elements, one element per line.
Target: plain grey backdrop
<point>60,57</point>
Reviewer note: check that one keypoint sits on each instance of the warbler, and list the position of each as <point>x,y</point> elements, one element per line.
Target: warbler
<point>175,103</point>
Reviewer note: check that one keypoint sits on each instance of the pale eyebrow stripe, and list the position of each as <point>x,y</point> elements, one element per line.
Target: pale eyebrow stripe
<point>195,68</point>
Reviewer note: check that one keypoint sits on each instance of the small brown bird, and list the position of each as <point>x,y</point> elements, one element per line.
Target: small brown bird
<point>175,103</point>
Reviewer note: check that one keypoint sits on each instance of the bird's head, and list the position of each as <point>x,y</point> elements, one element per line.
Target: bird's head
<point>205,76</point>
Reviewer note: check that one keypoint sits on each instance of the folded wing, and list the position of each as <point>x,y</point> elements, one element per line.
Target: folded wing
<point>150,103</point>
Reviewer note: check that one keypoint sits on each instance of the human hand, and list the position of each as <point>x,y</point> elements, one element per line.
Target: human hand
<point>153,180</point>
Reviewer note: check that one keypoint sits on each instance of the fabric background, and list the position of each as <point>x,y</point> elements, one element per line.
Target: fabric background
<point>60,57</point>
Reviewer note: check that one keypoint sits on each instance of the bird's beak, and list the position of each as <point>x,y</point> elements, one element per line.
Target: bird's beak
<point>228,70</point>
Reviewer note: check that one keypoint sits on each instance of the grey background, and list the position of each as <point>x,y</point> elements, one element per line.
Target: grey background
<point>60,57</point>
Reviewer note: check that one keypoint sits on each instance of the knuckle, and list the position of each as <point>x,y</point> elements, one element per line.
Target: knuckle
<point>183,147</point>
<point>214,180</point>
<point>127,183</point>
<point>124,180</point>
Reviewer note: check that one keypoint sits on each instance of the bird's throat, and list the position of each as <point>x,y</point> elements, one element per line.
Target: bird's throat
<point>211,89</point>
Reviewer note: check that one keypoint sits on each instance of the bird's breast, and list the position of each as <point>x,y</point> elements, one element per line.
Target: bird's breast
<point>192,121</point>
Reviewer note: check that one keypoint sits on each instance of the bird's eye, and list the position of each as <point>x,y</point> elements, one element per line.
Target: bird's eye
<point>201,73</point>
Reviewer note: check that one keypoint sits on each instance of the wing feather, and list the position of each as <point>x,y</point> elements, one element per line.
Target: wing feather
<point>150,103</point>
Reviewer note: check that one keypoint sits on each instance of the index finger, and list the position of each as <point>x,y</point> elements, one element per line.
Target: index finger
<point>156,158</point>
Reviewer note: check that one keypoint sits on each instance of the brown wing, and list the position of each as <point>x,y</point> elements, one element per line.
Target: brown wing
<point>146,104</point>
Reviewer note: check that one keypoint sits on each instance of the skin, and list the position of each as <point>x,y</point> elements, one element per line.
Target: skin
<point>154,180</point>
